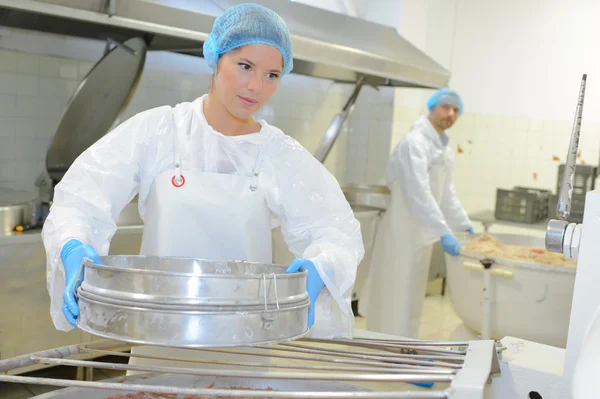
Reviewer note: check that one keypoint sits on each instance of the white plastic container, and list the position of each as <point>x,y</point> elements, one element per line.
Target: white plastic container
<point>527,300</point>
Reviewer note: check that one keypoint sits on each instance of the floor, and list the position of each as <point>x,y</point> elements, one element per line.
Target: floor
<point>437,323</point>
<point>438,320</point>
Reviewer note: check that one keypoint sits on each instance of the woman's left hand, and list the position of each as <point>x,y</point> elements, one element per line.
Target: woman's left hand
<point>314,284</point>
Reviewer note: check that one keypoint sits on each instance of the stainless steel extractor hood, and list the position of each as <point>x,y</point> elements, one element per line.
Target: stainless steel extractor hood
<point>326,44</point>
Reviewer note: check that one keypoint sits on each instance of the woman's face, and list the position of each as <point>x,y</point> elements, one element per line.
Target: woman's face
<point>245,78</point>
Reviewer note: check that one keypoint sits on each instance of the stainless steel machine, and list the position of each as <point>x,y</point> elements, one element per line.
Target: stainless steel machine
<point>340,368</point>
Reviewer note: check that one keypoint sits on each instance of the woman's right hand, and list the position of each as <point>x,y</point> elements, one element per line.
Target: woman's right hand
<point>72,255</point>
<point>314,284</point>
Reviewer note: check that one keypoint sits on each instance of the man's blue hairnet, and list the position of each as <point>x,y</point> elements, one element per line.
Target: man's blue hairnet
<point>446,96</point>
<point>248,24</point>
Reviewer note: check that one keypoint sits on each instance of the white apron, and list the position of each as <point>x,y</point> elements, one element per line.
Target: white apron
<point>393,295</point>
<point>190,213</point>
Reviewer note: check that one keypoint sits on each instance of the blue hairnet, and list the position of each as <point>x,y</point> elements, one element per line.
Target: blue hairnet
<point>446,96</point>
<point>248,24</point>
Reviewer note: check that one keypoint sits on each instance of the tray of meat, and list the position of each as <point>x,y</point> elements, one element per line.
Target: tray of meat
<point>489,246</point>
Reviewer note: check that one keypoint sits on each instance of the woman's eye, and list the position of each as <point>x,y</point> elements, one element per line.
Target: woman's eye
<point>244,66</point>
<point>273,76</point>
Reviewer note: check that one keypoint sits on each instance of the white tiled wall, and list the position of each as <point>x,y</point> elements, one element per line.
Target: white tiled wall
<point>518,67</point>
<point>38,74</point>
<point>33,92</point>
<point>504,152</point>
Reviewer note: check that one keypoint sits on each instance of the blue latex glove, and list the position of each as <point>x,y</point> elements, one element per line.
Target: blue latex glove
<point>424,384</point>
<point>470,230</point>
<point>450,245</point>
<point>314,284</point>
<point>72,254</point>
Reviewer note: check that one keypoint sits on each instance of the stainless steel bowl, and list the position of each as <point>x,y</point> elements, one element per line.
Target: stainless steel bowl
<point>18,208</point>
<point>189,281</point>
<point>191,326</point>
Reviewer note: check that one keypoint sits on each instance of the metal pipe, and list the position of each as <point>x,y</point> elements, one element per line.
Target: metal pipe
<point>336,124</point>
<point>359,83</point>
<point>406,349</point>
<point>487,305</point>
<point>251,373</point>
<point>381,356</point>
<point>400,359</point>
<point>563,208</point>
<point>315,359</point>
<point>393,354</point>
<point>111,8</point>
<point>65,351</point>
<point>284,366</point>
<point>387,343</point>
<point>408,346</point>
<point>224,392</point>
<point>25,360</point>
<point>89,374</point>
<point>349,6</point>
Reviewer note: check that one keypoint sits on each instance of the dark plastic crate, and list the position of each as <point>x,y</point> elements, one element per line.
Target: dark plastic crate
<point>577,208</point>
<point>522,205</point>
<point>584,181</point>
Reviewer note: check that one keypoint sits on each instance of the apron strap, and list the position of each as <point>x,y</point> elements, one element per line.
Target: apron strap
<point>256,170</point>
<point>178,179</point>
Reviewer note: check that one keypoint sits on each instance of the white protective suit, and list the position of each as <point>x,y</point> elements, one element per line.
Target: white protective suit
<point>316,220</point>
<point>423,208</point>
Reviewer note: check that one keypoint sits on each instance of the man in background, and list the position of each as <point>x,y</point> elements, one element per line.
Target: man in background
<point>424,208</point>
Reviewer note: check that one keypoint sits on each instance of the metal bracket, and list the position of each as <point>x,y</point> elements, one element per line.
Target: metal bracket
<point>118,44</point>
<point>110,7</point>
<point>79,277</point>
<point>337,122</point>
<point>557,228</point>
<point>268,316</point>
<point>480,363</point>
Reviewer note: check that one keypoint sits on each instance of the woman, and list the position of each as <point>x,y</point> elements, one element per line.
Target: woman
<point>212,182</point>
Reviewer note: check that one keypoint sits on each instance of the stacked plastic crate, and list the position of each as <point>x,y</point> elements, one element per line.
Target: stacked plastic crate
<point>522,205</point>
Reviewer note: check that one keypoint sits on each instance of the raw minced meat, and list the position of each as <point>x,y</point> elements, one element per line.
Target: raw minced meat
<point>490,246</point>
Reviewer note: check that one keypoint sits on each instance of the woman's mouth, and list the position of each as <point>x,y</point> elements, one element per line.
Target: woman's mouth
<point>248,101</point>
